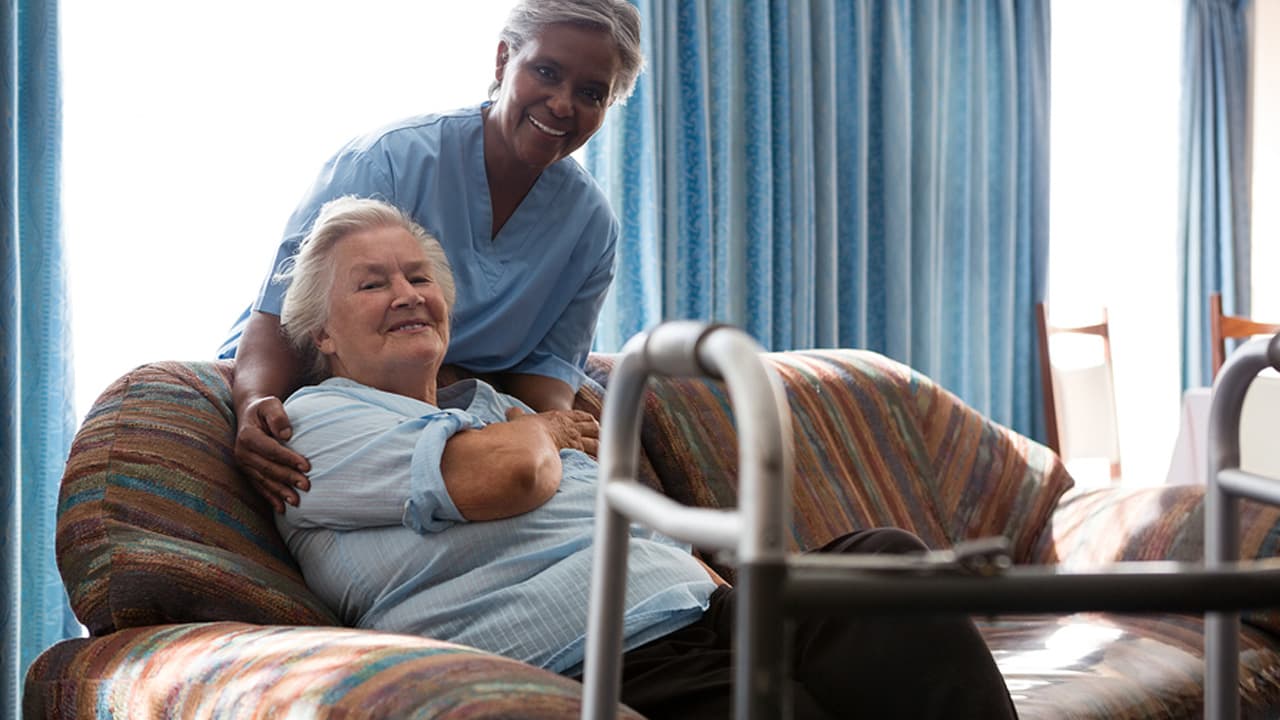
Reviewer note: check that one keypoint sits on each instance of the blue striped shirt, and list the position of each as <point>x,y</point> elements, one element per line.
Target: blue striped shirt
<point>379,539</point>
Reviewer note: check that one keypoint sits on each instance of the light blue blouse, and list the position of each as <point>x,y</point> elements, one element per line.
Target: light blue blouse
<point>528,299</point>
<point>379,539</point>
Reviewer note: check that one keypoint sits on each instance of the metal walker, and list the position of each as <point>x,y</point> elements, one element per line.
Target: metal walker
<point>973,577</point>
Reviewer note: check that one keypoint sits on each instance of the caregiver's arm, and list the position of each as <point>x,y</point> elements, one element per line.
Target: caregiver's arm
<point>539,392</point>
<point>267,370</point>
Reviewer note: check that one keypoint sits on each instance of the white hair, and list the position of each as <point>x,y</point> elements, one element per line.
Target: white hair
<point>310,276</point>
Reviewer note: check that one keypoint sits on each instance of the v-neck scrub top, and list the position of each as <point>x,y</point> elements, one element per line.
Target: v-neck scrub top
<point>527,299</point>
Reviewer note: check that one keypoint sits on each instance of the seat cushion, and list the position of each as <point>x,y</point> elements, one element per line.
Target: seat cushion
<point>1093,528</point>
<point>236,670</point>
<point>155,525</point>
<point>1101,666</point>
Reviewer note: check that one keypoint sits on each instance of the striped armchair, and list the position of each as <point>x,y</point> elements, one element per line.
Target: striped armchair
<point>195,609</point>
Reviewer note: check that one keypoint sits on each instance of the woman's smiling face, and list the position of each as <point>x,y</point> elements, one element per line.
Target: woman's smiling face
<point>388,322</point>
<point>553,93</point>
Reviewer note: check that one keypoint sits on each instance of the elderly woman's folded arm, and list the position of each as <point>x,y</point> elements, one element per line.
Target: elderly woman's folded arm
<point>372,466</point>
<point>500,470</point>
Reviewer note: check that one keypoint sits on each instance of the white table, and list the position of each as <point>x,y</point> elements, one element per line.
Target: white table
<point>1259,432</point>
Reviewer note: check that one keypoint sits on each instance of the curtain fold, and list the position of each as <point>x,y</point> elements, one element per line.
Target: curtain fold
<point>846,173</point>
<point>1215,184</point>
<point>37,415</point>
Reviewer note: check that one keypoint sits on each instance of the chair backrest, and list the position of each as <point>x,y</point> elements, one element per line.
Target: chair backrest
<point>1223,327</point>
<point>876,444</point>
<point>1079,390</point>
<point>155,523</point>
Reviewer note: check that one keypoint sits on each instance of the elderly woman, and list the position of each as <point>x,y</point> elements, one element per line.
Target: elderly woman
<point>524,226</point>
<point>457,514</point>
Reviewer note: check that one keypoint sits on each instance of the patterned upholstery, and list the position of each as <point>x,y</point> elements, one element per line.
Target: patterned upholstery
<point>876,444</point>
<point>236,670</point>
<point>1152,523</point>
<point>1116,667</point>
<point>196,609</point>
<point>154,523</point>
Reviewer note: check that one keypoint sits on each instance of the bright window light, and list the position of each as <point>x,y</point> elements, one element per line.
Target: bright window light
<point>1266,162</point>
<point>1116,73</point>
<point>192,129</point>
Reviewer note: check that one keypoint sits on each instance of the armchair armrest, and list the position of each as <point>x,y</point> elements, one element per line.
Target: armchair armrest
<point>232,669</point>
<point>1098,527</point>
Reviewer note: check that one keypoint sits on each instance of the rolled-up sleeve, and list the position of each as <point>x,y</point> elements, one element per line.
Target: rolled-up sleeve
<point>429,507</point>
<point>372,466</point>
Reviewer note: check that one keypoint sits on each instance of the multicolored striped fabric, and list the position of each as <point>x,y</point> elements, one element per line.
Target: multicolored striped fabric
<point>1092,666</point>
<point>876,444</point>
<point>238,671</point>
<point>156,527</point>
<point>1097,527</point>
<point>154,523</point>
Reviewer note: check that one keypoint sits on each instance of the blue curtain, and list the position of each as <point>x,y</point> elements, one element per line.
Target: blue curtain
<point>847,173</point>
<point>35,360</point>
<point>1214,183</point>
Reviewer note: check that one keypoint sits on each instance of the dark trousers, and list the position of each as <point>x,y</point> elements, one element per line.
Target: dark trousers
<point>929,666</point>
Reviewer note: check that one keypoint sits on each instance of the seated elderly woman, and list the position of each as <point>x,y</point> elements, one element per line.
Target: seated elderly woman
<point>458,514</point>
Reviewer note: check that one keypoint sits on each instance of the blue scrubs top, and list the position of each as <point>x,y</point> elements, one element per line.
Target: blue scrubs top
<point>528,299</point>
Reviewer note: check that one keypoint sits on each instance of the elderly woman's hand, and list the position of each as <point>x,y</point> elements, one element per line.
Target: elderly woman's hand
<point>569,429</point>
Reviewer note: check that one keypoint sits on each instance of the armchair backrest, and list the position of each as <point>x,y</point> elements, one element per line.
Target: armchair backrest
<point>155,524</point>
<point>876,444</point>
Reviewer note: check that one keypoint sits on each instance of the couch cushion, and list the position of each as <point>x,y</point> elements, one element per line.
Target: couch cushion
<point>1101,666</point>
<point>1091,528</point>
<point>235,670</point>
<point>876,444</point>
<point>154,523</point>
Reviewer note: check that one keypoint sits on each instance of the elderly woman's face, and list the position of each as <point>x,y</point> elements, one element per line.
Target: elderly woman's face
<point>554,93</point>
<point>388,322</point>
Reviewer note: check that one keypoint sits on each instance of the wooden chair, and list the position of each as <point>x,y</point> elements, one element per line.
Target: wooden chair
<point>1079,391</point>
<point>1235,327</point>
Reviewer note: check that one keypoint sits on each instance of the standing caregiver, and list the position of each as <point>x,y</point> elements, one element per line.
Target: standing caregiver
<point>529,234</point>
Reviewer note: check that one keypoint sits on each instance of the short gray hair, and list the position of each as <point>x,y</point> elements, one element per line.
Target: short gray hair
<point>618,18</point>
<point>310,276</point>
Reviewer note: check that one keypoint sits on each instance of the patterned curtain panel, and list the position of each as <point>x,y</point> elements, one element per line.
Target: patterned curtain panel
<point>36,415</point>
<point>842,173</point>
<point>1214,183</point>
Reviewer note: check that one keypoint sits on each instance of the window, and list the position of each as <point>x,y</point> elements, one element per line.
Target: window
<point>1116,88</point>
<point>1266,162</point>
<point>192,129</point>
<point>1116,83</point>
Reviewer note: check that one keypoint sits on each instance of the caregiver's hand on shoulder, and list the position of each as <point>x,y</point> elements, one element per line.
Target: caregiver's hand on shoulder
<point>568,429</point>
<point>262,428</point>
